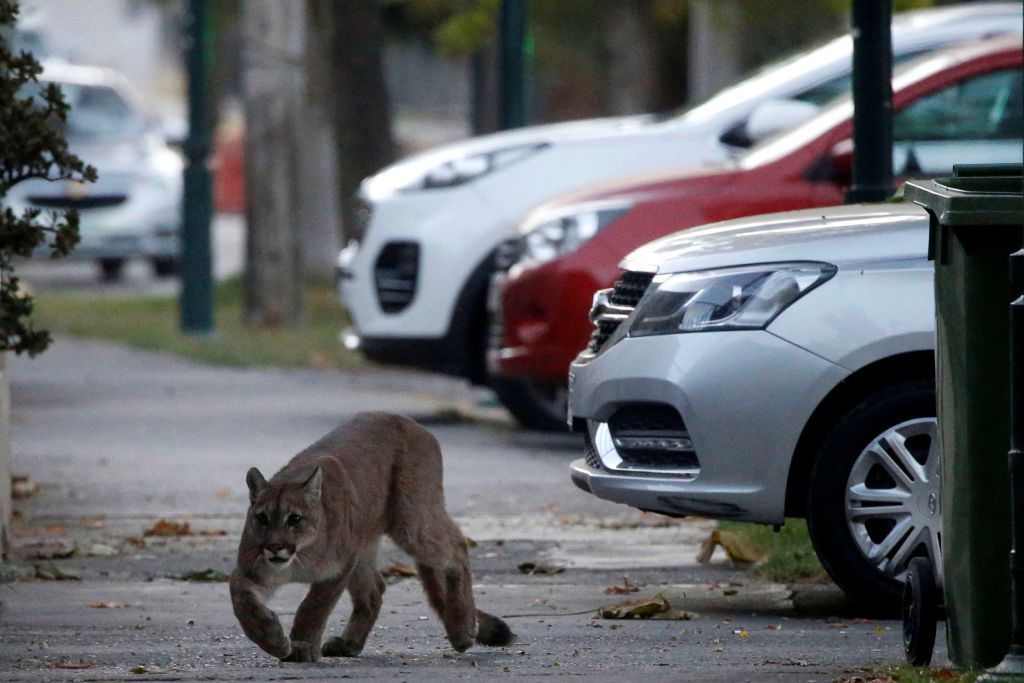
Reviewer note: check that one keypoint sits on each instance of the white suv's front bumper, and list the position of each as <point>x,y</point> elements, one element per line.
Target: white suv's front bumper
<point>744,398</point>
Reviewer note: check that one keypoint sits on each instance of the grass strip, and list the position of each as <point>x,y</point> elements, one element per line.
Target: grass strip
<point>790,557</point>
<point>151,323</point>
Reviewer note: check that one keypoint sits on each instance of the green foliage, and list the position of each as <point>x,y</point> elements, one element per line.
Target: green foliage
<point>31,146</point>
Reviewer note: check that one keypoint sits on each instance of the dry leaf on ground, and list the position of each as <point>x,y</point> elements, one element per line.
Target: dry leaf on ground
<point>135,541</point>
<point>623,587</point>
<point>53,550</point>
<point>400,570</point>
<point>654,607</point>
<point>22,487</point>
<point>71,665</point>
<point>737,548</point>
<point>108,605</point>
<point>211,532</point>
<point>166,527</point>
<point>540,568</point>
<point>102,550</point>
<point>49,572</point>
<point>202,576</point>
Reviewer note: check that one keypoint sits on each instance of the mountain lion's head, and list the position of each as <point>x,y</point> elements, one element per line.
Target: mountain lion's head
<point>284,517</point>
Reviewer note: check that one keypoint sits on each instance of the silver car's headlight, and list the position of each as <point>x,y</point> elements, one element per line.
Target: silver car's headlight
<point>462,170</point>
<point>745,298</point>
<point>561,235</point>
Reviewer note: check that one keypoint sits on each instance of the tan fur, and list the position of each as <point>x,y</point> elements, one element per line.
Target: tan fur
<point>376,475</point>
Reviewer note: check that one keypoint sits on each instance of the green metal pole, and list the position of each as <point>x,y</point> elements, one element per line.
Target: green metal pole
<point>872,101</point>
<point>196,301</point>
<point>513,63</point>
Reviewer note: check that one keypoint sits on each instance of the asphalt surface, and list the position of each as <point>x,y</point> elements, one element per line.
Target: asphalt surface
<point>115,440</point>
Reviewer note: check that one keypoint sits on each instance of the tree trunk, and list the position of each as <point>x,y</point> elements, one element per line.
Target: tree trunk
<point>318,212</point>
<point>630,50</point>
<point>361,107</point>
<point>273,85</point>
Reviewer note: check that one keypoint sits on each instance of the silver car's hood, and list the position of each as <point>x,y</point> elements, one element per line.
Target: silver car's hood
<point>842,235</point>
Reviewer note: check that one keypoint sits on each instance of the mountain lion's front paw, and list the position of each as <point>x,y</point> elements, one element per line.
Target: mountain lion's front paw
<point>302,652</point>
<point>341,647</point>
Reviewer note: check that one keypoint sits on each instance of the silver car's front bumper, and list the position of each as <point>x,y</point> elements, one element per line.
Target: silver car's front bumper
<point>744,398</point>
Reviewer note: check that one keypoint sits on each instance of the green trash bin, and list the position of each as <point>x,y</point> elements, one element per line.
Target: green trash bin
<point>976,223</point>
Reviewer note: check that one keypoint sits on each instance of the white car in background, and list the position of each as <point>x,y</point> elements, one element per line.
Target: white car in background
<point>770,367</point>
<point>415,284</point>
<point>133,210</point>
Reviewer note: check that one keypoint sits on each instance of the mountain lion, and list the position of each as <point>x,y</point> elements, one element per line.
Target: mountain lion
<point>319,521</point>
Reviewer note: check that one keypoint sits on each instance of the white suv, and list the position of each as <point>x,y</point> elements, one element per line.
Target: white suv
<point>773,366</point>
<point>415,285</point>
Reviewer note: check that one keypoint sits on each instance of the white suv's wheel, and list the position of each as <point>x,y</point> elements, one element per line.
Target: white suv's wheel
<point>873,503</point>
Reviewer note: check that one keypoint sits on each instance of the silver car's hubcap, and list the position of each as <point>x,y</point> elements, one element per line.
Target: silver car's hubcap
<point>893,509</point>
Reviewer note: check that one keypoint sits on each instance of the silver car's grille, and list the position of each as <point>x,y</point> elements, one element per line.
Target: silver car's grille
<point>652,436</point>
<point>82,203</point>
<point>613,306</point>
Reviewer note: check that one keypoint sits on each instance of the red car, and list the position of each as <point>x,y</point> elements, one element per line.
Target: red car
<point>963,105</point>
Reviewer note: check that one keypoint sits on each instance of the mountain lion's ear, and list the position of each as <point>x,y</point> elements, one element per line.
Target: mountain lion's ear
<point>256,483</point>
<point>313,484</point>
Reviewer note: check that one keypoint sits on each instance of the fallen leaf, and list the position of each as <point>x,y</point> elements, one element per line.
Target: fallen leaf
<point>166,527</point>
<point>211,532</point>
<point>470,543</point>
<point>54,530</point>
<point>625,586</point>
<point>102,550</point>
<point>108,605</point>
<point>135,541</point>
<point>655,607</point>
<point>773,627</point>
<point>17,516</point>
<point>49,572</point>
<point>202,576</point>
<point>879,630</point>
<point>540,568</point>
<point>222,494</point>
<point>737,548</point>
<point>152,670</point>
<point>71,665</point>
<point>400,570</point>
<point>742,633</point>
<point>54,550</point>
<point>730,591</point>
<point>22,487</point>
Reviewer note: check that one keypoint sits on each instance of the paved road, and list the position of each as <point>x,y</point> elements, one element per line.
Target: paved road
<point>118,439</point>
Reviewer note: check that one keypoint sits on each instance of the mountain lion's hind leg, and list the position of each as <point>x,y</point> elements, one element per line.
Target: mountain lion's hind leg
<point>366,588</point>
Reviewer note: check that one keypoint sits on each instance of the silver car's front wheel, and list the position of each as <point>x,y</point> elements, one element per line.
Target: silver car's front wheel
<point>873,498</point>
<point>893,510</point>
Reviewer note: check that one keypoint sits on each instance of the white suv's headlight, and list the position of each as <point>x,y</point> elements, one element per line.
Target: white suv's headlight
<point>459,171</point>
<point>745,298</point>
<point>559,235</point>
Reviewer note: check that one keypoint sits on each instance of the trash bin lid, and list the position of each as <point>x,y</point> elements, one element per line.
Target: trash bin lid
<point>975,195</point>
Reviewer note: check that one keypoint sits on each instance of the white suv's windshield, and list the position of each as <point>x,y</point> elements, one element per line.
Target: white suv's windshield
<point>98,112</point>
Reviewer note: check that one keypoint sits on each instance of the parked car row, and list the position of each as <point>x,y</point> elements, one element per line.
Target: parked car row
<point>133,210</point>
<point>758,367</point>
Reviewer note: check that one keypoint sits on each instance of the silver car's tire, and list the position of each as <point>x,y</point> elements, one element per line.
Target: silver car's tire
<point>873,503</point>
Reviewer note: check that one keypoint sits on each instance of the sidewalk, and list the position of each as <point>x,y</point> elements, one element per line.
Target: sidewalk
<point>118,440</point>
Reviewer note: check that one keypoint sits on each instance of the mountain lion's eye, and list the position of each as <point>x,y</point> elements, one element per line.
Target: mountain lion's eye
<point>262,519</point>
<point>294,520</point>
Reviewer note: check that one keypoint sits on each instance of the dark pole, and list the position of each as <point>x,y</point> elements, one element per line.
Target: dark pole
<point>872,101</point>
<point>1012,666</point>
<point>513,66</point>
<point>196,301</point>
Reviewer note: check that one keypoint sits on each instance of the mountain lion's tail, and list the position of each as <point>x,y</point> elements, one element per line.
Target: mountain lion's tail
<point>490,630</point>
